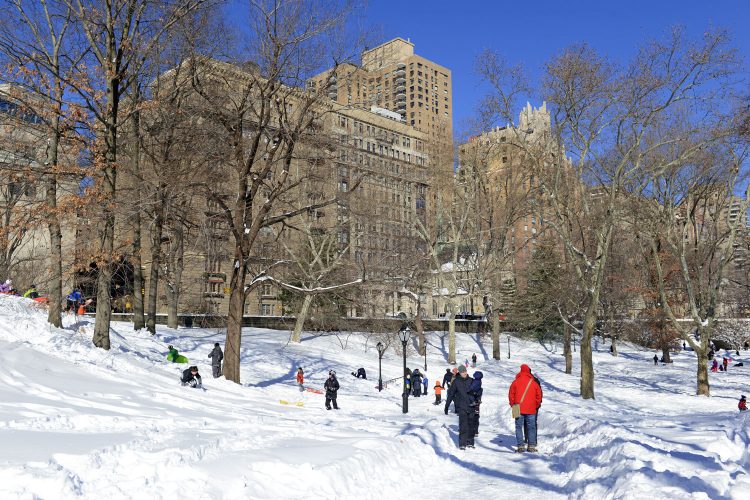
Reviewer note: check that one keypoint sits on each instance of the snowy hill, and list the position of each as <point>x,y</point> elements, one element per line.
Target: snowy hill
<point>76,421</point>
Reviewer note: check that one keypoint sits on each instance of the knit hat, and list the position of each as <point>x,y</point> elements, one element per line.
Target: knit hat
<point>461,369</point>
<point>216,344</point>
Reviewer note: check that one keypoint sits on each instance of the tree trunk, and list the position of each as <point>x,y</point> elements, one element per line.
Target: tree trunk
<point>567,351</point>
<point>420,330</point>
<point>153,282</point>
<point>665,354</point>
<point>172,301</point>
<point>495,335</point>
<point>54,292</point>
<point>234,321</point>
<point>175,285</point>
<point>301,318</point>
<point>703,387</point>
<point>587,363</point>
<point>139,321</point>
<point>452,339</point>
<point>107,238</point>
<point>104,281</point>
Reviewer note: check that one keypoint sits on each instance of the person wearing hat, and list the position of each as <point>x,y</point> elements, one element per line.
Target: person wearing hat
<point>301,379</point>
<point>192,378</point>
<point>742,405</point>
<point>459,395</point>
<point>332,388</point>
<point>216,356</point>
<point>526,392</point>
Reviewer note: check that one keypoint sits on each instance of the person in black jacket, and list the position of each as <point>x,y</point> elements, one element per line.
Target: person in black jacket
<point>459,395</point>
<point>216,357</point>
<point>331,386</point>
<point>447,378</point>
<point>192,378</point>
<point>416,383</point>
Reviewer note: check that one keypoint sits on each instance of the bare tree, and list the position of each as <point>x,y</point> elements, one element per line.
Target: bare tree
<point>39,46</point>
<point>263,124</point>
<point>118,36</point>
<point>604,133</point>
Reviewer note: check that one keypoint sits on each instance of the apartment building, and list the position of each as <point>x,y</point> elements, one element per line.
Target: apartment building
<point>393,77</point>
<point>374,149</point>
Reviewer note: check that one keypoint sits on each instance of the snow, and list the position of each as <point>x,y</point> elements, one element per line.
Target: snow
<point>79,422</point>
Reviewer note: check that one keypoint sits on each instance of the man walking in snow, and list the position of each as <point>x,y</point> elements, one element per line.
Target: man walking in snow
<point>459,395</point>
<point>525,392</point>
<point>474,360</point>
<point>332,387</point>
<point>216,357</point>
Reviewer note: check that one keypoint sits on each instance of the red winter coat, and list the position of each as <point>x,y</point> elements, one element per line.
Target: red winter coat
<point>533,399</point>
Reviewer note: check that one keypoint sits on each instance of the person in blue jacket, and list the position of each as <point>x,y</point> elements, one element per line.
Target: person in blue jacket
<point>73,300</point>
<point>475,396</point>
<point>424,385</point>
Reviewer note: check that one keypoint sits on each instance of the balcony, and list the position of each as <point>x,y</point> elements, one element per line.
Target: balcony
<point>400,80</point>
<point>401,65</point>
<point>401,105</point>
<point>401,88</point>
<point>399,72</point>
<point>401,96</point>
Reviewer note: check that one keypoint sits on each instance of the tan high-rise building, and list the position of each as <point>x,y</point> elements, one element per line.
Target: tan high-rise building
<point>393,77</point>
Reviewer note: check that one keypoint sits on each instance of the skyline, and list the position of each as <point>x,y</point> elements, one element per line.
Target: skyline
<point>532,38</point>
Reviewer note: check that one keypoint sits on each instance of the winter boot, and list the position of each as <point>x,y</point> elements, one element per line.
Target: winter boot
<point>532,449</point>
<point>520,449</point>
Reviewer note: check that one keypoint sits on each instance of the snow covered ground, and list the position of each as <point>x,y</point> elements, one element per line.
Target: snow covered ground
<point>76,421</point>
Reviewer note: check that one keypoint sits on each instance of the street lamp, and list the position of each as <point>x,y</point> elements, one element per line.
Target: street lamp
<point>425,351</point>
<point>403,336</point>
<point>508,346</point>
<point>381,350</point>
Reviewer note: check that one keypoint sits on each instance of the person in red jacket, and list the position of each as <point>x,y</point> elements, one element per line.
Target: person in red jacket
<point>526,392</point>
<point>301,379</point>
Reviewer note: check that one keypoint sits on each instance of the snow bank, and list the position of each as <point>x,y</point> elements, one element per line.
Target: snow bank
<point>79,422</point>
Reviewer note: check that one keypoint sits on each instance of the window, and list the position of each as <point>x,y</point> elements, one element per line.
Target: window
<point>266,289</point>
<point>266,309</point>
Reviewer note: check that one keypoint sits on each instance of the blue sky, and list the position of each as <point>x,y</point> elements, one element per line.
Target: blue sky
<point>452,33</point>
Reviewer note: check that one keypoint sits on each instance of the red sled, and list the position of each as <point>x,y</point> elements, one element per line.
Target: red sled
<point>316,391</point>
<point>43,300</point>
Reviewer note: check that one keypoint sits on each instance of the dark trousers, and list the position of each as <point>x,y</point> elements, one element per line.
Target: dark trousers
<point>216,370</point>
<point>474,424</point>
<point>329,400</point>
<point>437,399</point>
<point>464,429</point>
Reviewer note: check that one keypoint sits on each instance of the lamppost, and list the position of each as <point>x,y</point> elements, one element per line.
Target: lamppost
<point>381,350</point>
<point>403,336</point>
<point>508,346</point>
<point>425,352</point>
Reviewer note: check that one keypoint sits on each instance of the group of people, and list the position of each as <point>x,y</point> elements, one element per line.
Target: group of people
<point>190,376</point>
<point>416,383</point>
<point>8,289</point>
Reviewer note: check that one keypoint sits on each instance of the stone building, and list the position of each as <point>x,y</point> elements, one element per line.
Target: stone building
<point>24,237</point>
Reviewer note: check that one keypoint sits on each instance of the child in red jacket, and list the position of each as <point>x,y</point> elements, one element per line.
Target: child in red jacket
<point>742,405</point>
<point>438,392</point>
<point>301,379</point>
